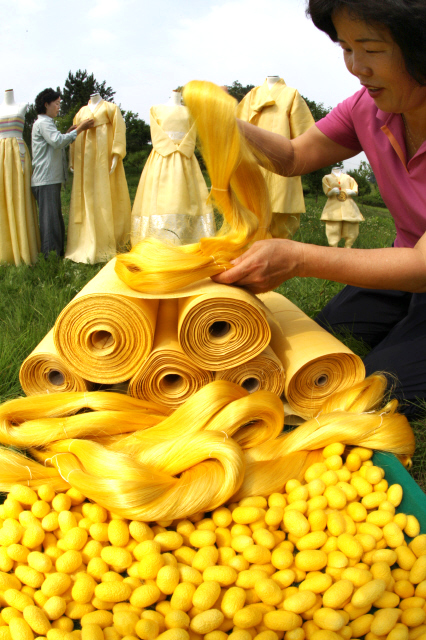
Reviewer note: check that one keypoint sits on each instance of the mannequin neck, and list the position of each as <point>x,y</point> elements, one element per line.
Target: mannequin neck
<point>9,98</point>
<point>337,171</point>
<point>271,80</point>
<point>175,99</point>
<point>95,99</point>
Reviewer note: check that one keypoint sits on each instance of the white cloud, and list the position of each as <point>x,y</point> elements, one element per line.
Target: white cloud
<point>101,37</point>
<point>102,9</point>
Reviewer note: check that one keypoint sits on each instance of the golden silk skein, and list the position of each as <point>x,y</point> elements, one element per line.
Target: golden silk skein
<point>239,191</point>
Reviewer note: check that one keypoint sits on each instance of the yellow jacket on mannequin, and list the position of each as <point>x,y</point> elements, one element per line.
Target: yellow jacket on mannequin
<point>281,109</point>
<point>341,214</point>
<point>100,208</point>
<point>171,200</point>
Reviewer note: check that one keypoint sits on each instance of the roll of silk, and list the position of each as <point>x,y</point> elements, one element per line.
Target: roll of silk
<point>222,329</point>
<point>102,335</point>
<point>44,371</point>
<point>316,363</point>
<point>168,376</point>
<point>265,372</point>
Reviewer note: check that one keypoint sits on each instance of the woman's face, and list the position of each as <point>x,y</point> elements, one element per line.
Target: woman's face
<point>52,108</point>
<point>375,59</point>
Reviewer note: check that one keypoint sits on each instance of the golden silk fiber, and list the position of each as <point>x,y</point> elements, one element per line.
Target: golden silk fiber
<point>44,371</point>
<point>265,372</point>
<point>222,329</point>
<point>168,376</point>
<point>316,363</point>
<point>238,191</point>
<point>102,336</point>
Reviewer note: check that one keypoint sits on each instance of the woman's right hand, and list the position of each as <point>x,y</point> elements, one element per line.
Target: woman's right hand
<point>86,124</point>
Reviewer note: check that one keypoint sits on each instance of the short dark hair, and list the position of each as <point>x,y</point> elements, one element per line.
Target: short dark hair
<point>405,20</point>
<point>47,95</point>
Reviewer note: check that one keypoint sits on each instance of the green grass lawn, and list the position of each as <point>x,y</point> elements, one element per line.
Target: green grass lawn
<point>31,298</point>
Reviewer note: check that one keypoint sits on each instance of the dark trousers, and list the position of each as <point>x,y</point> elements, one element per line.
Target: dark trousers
<point>393,324</point>
<point>52,228</point>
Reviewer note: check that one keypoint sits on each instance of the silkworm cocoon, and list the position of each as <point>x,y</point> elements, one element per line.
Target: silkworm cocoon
<point>246,579</point>
<point>394,494</point>
<point>329,619</point>
<point>224,575</point>
<point>336,498</point>
<point>315,471</point>
<point>189,574</point>
<point>233,600</point>
<point>205,557</point>
<point>380,517</point>
<point>40,509</point>
<point>296,523</point>
<point>223,537</point>
<point>140,531</point>
<point>117,557</point>
<point>367,594</point>
<point>184,555</point>
<point>147,629</point>
<point>412,528</point>
<point>168,579</point>
<point>150,565</point>
<point>56,584</point>
<point>54,607</point>
<point>17,599</point>
<point>202,538</point>
<point>300,602</point>
<point>23,494</point>
<point>145,547</point>
<point>76,610</point>
<point>37,619</point>
<point>20,629</point>
<point>169,540</point>
<point>101,618</point>
<point>206,595</point>
<point>50,521</point>
<point>240,542</point>
<point>349,545</point>
<point>74,539</point>
<point>92,632</point>
<point>182,596</point>
<point>145,595</point>
<point>69,561</point>
<point>45,492</point>
<point>247,617</point>
<point>282,558</point>
<point>335,523</point>
<point>338,594</point>
<point>99,531</point>
<point>177,620</point>
<point>264,538</point>
<point>384,621</point>
<point>17,552</point>
<point>113,591</point>
<point>39,561</point>
<point>311,560</point>
<point>11,532</point>
<point>66,521</point>
<point>418,570</point>
<point>298,505</point>
<point>413,617</point>
<point>282,620</point>
<point>29,576</point>
<point>360,626</point>
<point>317,519</point>
<point>206,621</point>
<point>399,632</point>
<point>118,533</point>
<point>361,485</point>
<point>256,554</point>
<point>384,555</point>
<point>418,545</point>
<point>268,591</point>
<point>330,477</point>
<point>404,588</point>
<point>175,634</point>
<point>367,542</point>
<point>61,502</point>
<point>247,514</point>
<point>298,493</point>
<point>388,600</point>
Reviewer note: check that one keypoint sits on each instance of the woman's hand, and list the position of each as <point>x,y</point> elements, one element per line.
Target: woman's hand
<point>266,265</point>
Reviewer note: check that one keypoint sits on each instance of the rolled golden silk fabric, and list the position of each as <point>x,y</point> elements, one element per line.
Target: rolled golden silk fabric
<point>315,362</point>
<point>44,371</point>
<point>223,328</point>
<point>265,372</point>
<point>168,376</point>
<point>104,335</point>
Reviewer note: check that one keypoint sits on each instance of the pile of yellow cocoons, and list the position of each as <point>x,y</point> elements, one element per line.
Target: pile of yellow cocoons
<point>326,559</point>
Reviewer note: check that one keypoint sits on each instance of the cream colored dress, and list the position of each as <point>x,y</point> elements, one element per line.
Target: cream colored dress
<point>100,209</point>
<point>341,214</point>
<point>171,200</point>
<point>280,109</point>
<point>19,234</point>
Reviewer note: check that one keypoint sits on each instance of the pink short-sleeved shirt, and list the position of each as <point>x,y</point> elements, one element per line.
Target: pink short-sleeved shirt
<point>358,124</point>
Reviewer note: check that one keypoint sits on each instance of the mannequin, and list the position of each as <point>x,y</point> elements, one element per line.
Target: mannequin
<point>171,200</point>
<point>99,223</point>
<point>341,214</point>
<point>19,238</point>
<point>281,109</point>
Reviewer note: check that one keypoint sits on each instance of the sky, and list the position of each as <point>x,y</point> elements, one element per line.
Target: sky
<point>144,50</point>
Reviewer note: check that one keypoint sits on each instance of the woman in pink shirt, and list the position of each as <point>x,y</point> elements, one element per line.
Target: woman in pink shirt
<point>384,46</point>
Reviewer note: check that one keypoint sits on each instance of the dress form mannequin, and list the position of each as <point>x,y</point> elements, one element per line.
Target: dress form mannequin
<point>171,200</point>
<point>99,223</point>
<point>275,107</point>
<point>19,240</point>
<point>341,214</point>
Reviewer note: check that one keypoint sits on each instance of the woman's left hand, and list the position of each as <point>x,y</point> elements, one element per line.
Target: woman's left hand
<point>266,265</point>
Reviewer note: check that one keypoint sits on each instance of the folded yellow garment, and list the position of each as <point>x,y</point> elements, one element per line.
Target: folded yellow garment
<point>44,371</point>
<point>315,362</point>
<point>104,336</point>
<point>223,328</point>
<point>264,372</point>
<point>168,376</point>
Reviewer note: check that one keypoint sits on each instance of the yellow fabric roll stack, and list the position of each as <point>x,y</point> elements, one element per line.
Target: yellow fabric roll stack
<point>168,376</point>
<point>316,363</point>
<point>223,329</point>
<point>265,372</point>
<point>103,336</point>
<point>44,371</point>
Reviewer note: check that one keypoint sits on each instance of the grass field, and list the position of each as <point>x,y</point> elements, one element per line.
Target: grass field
<point>31,298</point>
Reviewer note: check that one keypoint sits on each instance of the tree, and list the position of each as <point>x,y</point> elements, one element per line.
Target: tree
<point>79,87</point>
<point>138,133</point>
<point>236,90</point>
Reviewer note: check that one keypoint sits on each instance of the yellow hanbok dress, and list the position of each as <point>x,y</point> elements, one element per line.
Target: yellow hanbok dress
<point>100,209</point>
<point>171,200</point>
<point>280,109</point>
<point>19,233</point>
<point>341,214</point>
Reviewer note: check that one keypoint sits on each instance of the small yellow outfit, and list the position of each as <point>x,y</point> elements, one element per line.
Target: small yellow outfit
<point>100,207</point>
<point>282,110</point>
<point>341,214</point>
<point>171,200</point>
<point>19,234</point>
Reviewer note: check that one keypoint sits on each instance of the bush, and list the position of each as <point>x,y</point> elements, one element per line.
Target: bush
<point>373,199</point>
<point>137,159</point>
